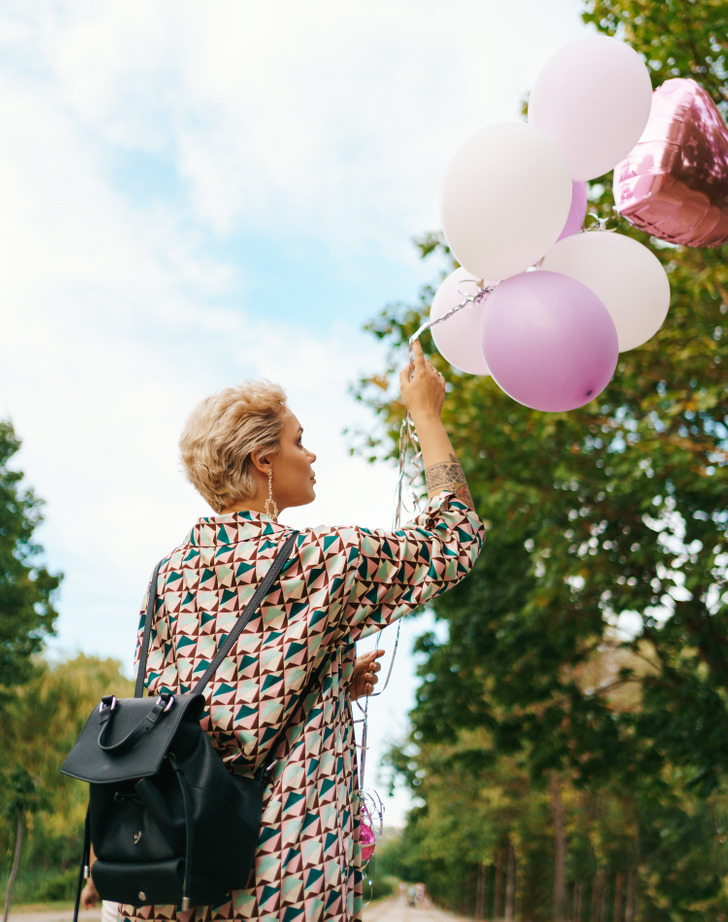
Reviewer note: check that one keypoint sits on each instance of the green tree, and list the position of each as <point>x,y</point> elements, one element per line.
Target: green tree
<point>27,615</point>
<point>41,722</point>
<point>23,799</point>
<point>618,507</point>
<point>677,39</point>
<point>609,521</point>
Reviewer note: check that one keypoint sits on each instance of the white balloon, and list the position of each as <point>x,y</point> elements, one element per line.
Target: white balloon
<point>594,97</point>
<point>458,338</point>
<point>625,275</point>
<point>505,199</point>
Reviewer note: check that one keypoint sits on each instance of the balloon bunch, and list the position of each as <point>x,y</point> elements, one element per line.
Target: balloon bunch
<point>513,198</point>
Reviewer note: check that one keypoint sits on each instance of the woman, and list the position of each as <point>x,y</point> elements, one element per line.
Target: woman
<point>242,449</point>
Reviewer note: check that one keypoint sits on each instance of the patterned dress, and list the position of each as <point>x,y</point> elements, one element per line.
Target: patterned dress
<point>338,584</point>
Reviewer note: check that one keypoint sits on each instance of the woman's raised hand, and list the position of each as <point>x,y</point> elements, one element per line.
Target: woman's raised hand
<point>424,395</point>
<point>422,387</point>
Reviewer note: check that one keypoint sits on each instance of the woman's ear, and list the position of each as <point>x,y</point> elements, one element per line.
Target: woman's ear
<point>261,461</point>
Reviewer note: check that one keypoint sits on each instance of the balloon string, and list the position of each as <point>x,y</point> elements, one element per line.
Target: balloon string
<point>409,445</point>
<point>601,224</point>
<point>363,747</point>
<point>468,301</point>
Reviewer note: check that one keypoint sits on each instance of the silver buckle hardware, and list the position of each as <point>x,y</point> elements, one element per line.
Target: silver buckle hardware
<point>169,704</point>
<point>107,702</point>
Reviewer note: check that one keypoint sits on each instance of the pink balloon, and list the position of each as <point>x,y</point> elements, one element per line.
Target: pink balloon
<point>674,182</point>
<point>458,338</point>
<point>549,341</point>
<point>577,212</point>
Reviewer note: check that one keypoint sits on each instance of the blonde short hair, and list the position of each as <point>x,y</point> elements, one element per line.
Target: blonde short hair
<point>221,434</point>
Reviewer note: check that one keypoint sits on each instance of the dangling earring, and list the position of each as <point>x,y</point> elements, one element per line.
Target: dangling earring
<point>271,510</point>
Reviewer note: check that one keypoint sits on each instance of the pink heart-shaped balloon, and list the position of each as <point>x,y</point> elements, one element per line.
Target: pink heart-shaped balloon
<point>674,182</point>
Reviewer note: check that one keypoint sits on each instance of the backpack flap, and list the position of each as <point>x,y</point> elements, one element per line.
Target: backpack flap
<point>127,738</point>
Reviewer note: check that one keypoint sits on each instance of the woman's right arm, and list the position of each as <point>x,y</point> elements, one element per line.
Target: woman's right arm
<point>424,395</point>
<point>390,573</point>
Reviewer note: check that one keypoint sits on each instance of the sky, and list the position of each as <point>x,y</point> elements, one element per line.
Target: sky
<point>194,194</point>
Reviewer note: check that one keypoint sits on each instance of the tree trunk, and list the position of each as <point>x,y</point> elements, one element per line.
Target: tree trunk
<point>629,912</point>
<point>596,901</point>
<point>468,895</point>
<point>603,904</point>
<point>557,816</point>
<point>497,898</point>
<point>16,863</point>
<point>629,908</point>
<point>576,915</point>
<point>510,886</point>
<point>618,898</point>
<point>480,893</point>
<point>486,891</point>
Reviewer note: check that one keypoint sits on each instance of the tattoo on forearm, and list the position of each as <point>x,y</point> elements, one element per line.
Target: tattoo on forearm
<point>448,476</point>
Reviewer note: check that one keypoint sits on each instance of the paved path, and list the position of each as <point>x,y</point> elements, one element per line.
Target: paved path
<point>398,910</point>
<point>53,915</point>
<point>390,910</point>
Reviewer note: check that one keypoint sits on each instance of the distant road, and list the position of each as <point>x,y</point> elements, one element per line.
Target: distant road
<point>399,910</point>
<point>53,915</point>
<point>391,910</point>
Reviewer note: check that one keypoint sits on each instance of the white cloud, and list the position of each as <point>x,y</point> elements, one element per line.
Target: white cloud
<point>107,343</point>
<point>319,117</point>
<point>322,126</point>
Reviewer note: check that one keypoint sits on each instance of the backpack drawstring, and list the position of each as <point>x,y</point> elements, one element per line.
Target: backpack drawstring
<point>179,771</point>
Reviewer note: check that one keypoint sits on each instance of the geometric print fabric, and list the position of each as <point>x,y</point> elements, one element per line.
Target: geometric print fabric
<point>337,584</point>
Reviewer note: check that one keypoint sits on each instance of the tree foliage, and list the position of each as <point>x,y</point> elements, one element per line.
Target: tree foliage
<point>41,722</point>
<point>26,588</point>
<point>591,639</point>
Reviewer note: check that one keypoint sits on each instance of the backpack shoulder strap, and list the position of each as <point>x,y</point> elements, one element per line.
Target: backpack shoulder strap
<point>275,568</point>
<point>151,600</point>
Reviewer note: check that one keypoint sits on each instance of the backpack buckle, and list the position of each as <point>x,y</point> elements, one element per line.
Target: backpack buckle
<point>167,700</point>
<point>108,702</point>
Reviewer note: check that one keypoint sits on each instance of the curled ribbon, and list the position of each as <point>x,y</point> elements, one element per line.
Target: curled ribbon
<point>409,470</point>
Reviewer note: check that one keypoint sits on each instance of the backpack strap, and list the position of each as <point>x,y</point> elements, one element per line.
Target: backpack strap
<point>273,572</point>
<point>149,617</point>
<point>275,568</point>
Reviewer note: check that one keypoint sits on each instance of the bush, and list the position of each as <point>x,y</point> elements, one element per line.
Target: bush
<point>41,885</point>
<point>61,886</point>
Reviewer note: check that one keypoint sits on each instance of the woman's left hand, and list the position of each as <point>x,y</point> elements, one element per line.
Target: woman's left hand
<point>90,895</point>
<point>365,677</point>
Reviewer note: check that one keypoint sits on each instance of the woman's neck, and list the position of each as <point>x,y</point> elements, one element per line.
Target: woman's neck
<point>246,506</point>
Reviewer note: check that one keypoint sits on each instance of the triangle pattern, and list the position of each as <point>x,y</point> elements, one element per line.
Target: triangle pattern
<point>337,584</point>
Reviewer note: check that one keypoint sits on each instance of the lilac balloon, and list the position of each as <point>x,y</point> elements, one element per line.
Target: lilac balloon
<point>549,341</point>
<point>577,211</point>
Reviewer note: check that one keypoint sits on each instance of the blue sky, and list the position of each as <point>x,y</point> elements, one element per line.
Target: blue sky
<point>194,194</point>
